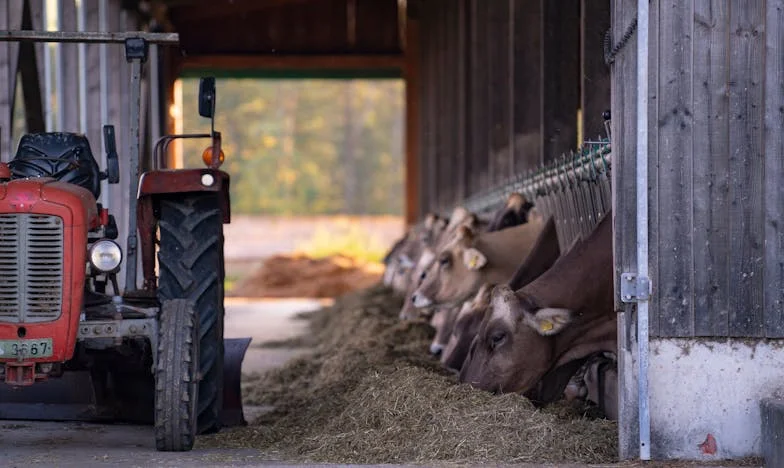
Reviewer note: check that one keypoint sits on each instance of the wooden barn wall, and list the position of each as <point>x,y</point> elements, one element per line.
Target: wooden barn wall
<point>716,139</point>
<point>501,83</point>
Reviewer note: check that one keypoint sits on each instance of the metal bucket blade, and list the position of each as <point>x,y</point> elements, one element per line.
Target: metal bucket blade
<point>233,354</point>
<point>68,398</point>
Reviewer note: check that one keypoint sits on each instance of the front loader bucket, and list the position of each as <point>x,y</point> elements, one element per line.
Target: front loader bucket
<point>233,353</point>
<point>73,396</point>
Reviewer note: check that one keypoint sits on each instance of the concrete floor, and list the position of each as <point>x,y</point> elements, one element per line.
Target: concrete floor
<point>57,444</point>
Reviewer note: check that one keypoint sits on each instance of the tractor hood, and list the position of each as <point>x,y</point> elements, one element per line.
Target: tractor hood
<point>24,196</point>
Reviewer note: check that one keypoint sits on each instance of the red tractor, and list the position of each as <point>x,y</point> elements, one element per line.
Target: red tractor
<point>73,344</point>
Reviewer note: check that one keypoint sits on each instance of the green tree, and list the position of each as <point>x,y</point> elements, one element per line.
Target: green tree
<point>306,146</point>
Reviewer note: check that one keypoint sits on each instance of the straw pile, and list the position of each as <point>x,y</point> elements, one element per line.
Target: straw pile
<point>302,276</point>
<point>371,394</point>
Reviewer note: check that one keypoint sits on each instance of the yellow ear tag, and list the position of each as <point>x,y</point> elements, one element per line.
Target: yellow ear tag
<point>546,326</point>
<point>472,262</point>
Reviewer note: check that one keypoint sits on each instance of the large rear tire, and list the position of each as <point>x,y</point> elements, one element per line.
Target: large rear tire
<point>190,261</point>
<point>176,377</point>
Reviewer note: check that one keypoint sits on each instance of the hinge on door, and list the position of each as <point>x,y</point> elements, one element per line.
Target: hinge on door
<point>634,288</point>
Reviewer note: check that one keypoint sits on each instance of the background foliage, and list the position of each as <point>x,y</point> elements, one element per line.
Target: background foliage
<point>306,146</point>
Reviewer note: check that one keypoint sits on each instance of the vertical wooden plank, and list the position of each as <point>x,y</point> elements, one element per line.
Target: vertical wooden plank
<point>527,84</point>
<point>454,98</point>
<point>443,103</point>
<point>561,69</point>
<point>500,101</point>
<point>675,170</point>
<point>479,117</point>
<point>595,75</point>
<point>774,169</point>
<point>68,96</point>
<point>413,96</point>
<point>94,123</point>
<point>653,168</point>
<point>34,84</point>
<point>439,119</point>
<point>624,168</point>
<point>747,109</point>
<point>711,168</point>
<point>461,68</point>
<point>426,36</point>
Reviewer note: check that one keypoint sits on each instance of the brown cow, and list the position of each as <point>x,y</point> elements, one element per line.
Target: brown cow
<point>460,219</point>
<point>545,252</point>
<point>514,213</point>
<point>561,317</point>
<point>470,260</point>
<point>443,321</point>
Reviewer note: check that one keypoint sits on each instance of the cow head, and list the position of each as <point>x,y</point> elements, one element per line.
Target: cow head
<point>465,328</point>
<point>443,321</point>
<point>409,310</point>
<point>514,212</point>
<point>514,347</point>
<point>455,273</point>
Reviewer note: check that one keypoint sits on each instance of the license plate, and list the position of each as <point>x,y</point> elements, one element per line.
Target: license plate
<point>38,348</point>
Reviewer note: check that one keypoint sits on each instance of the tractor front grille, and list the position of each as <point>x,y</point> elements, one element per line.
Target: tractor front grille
<point>31,268</point>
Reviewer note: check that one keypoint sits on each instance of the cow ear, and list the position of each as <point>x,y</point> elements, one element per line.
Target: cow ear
<point>548,321</point>
<point>474,259</point>
<point>465,233</point>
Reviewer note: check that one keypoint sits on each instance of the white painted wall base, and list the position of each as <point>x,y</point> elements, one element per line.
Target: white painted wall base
<point>708,386</point>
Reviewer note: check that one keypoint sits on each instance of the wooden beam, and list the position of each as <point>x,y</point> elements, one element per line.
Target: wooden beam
<point>294,62</point>
<point>210,10</point>
<point>31,79</point>
<point>412,121</point>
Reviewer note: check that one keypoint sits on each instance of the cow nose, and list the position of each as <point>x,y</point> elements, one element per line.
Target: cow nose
<point>413,298</point>
<point>436,348</point>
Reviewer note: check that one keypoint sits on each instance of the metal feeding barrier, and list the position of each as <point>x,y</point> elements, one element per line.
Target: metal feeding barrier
<point>574,189</point>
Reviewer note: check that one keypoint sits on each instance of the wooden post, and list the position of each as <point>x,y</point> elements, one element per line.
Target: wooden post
<point>68,70</point>
<point>412,59</point>
<point>31,67</point>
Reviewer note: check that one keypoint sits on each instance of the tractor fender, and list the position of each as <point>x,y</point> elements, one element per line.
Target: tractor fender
<point>171,181</point>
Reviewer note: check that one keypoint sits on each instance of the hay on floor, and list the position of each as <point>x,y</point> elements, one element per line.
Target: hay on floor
<point>370,393</point>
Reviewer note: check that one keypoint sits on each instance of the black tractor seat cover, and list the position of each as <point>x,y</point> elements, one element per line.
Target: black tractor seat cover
<point>64,156</point>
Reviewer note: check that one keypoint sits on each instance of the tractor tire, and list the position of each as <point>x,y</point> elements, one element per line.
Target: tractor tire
<point>176,377</point>
<point>190,261</point>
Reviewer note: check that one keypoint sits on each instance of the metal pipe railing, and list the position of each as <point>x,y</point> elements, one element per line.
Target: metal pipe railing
<point>591,163</point>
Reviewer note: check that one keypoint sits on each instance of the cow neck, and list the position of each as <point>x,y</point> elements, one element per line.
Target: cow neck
<point>579,278</point>
<point>507,249</point>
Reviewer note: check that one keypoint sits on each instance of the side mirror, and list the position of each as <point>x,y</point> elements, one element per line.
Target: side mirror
<point>207,97</point>
<point>112,163</point>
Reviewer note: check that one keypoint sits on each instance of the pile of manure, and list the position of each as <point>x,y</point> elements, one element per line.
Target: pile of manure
<point>302,276</point>
<point>370,393</point>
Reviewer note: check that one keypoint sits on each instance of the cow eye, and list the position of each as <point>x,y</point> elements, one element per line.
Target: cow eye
<point>496,338</point>
<point>443,261</point>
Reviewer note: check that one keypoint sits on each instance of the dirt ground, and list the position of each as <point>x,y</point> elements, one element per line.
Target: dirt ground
<point>301,276</point>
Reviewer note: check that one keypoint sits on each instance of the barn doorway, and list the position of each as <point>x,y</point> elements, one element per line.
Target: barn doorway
<point>317,179</point>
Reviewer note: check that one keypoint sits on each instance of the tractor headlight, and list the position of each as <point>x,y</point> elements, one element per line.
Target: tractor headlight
<point>105,255</point>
